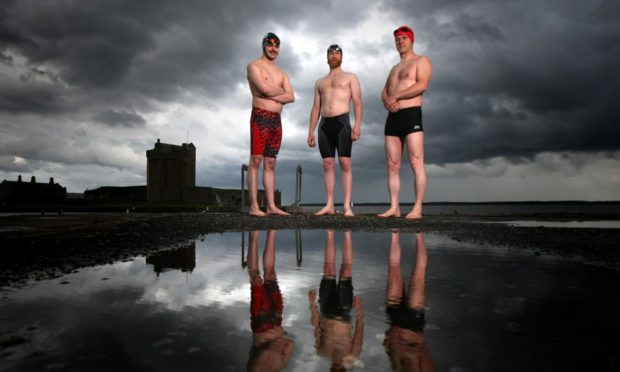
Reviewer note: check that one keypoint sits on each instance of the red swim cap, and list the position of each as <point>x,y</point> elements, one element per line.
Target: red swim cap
<point>404,30</point>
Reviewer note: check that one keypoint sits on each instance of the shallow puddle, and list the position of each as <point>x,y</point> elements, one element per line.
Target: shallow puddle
<point>311,300</point>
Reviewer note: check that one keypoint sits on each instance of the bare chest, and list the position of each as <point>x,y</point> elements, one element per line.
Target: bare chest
<point>334,84</point>
<point>273,76</point>
<point>405,72</point>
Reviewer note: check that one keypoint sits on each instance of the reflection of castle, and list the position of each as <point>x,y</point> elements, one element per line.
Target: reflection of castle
<point>28,192</point>
<point>183,259</point>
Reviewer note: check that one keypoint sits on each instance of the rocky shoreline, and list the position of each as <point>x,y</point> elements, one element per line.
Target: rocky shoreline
<point>47,246</point>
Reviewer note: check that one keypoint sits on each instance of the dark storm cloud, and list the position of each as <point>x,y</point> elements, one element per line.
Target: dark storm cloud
<point>510,79</point>
<point>120,119</point>
<point>516,79</point>
<point>153,48</point>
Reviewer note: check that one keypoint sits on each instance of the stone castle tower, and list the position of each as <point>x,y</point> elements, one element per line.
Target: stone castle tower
<point>170,171</point>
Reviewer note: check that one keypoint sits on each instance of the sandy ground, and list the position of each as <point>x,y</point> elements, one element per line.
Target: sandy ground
<point>45,246</point>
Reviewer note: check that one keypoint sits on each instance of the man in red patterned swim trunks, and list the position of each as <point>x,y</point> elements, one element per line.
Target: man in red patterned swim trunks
<point>271,90</point>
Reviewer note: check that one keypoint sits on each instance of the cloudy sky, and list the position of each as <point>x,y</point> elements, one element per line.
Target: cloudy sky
<point>521,105</point>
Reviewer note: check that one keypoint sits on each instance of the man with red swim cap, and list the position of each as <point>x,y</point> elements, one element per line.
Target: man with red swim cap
<point>402,97</point>
<point>271,90</point>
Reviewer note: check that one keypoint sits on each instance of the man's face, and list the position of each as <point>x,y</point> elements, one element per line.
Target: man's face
<point>271,49</point>
<point>403,43</point>
<point>334,58</point>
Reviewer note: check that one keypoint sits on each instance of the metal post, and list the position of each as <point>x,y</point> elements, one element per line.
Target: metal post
<point>244,168</point>
<point>298,246</point>
<point>298,186</point>
<point>295,206</point>
<point>244,260</point>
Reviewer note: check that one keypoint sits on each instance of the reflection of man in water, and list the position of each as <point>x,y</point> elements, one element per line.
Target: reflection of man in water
<point>332,327</point>
<point>404,340</point>
<point>271,349</point>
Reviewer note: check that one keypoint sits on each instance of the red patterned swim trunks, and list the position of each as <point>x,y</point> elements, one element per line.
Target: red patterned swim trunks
<point>266,132</point>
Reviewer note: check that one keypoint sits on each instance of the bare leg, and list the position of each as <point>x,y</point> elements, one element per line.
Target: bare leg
<point>253,270</point>
<point>393,154</point>
<point>330,181</point>
<point>269,256</point>
<point>395,279</point>
<point>269,181</point>
<point>329,258</point>
<point>346,266</point>
<point>255,161</point>
<point>347,184</point>
<point>418,275</point>
<point>415,151</point>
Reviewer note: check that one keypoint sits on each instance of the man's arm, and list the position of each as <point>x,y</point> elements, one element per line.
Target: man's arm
<point>314,115</point>
<point>356,96</point>
<point>263,88</point>
<point>384,94</point>
<point>288,96</point>
<point>423,78</point>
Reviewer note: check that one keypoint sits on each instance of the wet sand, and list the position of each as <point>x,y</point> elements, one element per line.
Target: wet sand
<point>47,246</point>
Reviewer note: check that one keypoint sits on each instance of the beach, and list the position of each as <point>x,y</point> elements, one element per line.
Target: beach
<point>38,247</point>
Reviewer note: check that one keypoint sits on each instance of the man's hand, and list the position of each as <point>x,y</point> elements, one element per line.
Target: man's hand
<point>311,140</point>
<point>391,104</point>
<point>312,295</point>
<point>355,134</point>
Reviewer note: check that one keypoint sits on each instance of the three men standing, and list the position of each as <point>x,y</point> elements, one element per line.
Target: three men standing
<point>332,95</point>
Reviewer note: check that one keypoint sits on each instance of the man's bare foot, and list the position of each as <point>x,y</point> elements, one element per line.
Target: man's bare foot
<point>257,213</point>
<point>277,212</point>
<point>348,212</point>
<point>392,212</point>
<point>415,214</point>
<point>326,211</point>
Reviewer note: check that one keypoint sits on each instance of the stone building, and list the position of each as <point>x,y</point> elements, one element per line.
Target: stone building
<point>170,172</point>
<point>32,192</point>
<point>171,177</point>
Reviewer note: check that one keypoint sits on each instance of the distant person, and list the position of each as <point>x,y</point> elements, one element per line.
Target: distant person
<point>271,90</point>
<point>404,341</point>
<point>271,348</point>
<point>332,95</point>
<point>335,337</point>
<point>402,97</point>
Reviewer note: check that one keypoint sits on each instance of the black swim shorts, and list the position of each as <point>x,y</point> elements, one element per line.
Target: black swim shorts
<point>335,133</point>
<point>404,122</point>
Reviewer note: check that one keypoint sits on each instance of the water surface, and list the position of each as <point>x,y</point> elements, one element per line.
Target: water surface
<point>313,299</point>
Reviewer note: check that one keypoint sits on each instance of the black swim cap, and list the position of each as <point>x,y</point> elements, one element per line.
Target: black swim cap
<point>334,47</point>
<point>270,36</point>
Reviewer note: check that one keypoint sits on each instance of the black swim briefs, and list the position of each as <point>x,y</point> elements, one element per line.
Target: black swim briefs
<point>335,133</point>
<point>404,122</point>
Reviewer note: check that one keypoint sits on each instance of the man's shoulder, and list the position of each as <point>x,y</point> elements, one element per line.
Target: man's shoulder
<point>350,75</point>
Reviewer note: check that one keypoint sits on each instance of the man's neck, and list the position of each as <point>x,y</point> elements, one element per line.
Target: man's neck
<point>335,70</point>
<point>407,55</point>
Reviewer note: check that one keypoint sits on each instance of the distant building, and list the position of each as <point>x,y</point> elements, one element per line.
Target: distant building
<point>117,193</point>
<point>31,192</point>
<point>171,176</point>
<point>170,171</point>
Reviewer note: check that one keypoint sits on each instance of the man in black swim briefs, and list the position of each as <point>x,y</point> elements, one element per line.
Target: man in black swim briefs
<point>332,95</point>
<point>402,97</point>
<point>271,90</point>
